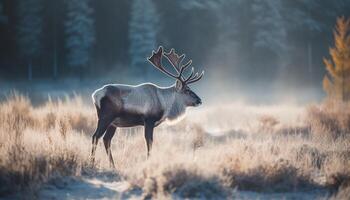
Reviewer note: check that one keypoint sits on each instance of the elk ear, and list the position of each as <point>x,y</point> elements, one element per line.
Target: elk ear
<point>178,85</point>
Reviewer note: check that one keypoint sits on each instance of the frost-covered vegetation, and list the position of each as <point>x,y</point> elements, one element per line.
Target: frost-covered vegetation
<point>215,152</point>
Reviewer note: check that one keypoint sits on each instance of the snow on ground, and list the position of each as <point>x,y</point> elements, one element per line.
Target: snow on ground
<point>104,185</point>
<point>107,185</point>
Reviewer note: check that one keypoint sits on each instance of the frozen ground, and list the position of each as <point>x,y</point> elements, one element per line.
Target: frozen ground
<point>108,185</point>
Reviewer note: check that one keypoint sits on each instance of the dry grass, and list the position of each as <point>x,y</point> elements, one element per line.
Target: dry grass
<point>193,159</point>
<point>268,123</point>
<point>37,144</point>
<point>331,119</point>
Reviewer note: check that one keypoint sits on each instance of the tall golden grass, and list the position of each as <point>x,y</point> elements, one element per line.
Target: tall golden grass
<point>206,155</point>
<point>37,144</point>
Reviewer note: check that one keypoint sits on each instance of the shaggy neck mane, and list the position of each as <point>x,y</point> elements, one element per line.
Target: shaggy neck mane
<point>172,104</point>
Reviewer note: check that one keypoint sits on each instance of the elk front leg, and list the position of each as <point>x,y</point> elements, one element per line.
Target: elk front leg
<point>149,126</point>
<point>107,142</point>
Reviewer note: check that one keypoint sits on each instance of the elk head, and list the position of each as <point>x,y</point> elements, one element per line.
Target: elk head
<point>182,82</point>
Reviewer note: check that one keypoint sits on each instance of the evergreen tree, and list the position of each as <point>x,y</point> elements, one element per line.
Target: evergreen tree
<point>337,81</point>
<point>3,18</point>
<point>270,26</point>
<point>227,25</point>
<point>225,49</point>
<point>29,31</point>
<point>80,34</point>
<point>143,29</point>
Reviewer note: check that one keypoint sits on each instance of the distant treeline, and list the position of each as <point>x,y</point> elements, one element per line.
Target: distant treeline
<point>257,39</point>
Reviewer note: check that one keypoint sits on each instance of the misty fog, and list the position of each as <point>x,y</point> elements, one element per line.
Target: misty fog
<point>254,51</point>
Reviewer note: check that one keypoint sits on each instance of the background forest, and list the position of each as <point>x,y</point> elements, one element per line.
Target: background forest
<point>234,40</point>
<point>264,131</point>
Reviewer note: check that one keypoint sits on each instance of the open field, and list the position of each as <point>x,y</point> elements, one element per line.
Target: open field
<point>226,151</point>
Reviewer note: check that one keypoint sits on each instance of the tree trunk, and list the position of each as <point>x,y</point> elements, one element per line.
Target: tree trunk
<point>343,85</point>
<point>30,71</point>
<point>309,52</point>
<point>55,68</point>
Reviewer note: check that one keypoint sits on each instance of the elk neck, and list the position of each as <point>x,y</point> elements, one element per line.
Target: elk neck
<point>171,102</point>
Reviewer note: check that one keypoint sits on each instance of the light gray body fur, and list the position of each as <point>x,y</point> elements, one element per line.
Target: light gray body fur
<point>160,103</point>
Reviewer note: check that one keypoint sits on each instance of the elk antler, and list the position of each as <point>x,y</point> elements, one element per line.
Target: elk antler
<point>156,60</point>
<point>175,60</point>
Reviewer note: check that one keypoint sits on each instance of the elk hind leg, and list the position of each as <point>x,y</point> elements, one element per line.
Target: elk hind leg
<point>107,142</point>
<point>102,125</point>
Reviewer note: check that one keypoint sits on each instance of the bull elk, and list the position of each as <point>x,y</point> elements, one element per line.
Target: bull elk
<point>147,105</point>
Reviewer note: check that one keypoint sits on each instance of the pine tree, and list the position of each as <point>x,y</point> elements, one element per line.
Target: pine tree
<point>3,18</point>
<point>80,34</point>
<point>228,29</point>
<point>143,29</point>
<point>29,31</point>
<point>337,81</point>
<point>225,49</point>
<point>271,30</point>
